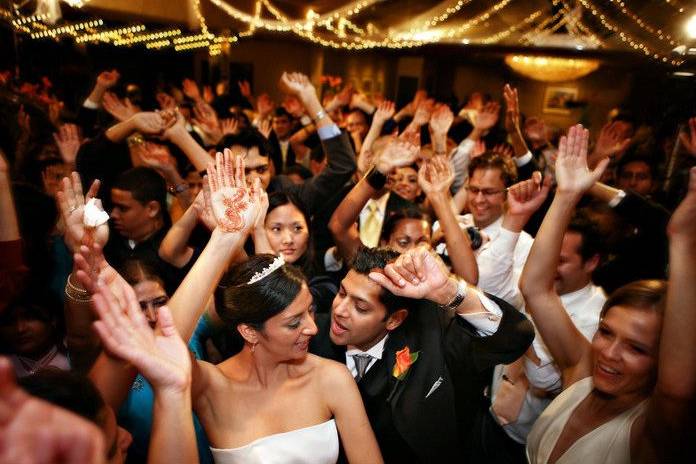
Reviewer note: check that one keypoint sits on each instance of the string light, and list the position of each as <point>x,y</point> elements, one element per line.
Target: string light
<point>456,31</point>
<point>627,38</point>
<point>69,29</point>
<point>192,45</point>
<point>109,35</point>
<point>158,44</point>
<point>449,11</point>
<point>27,20</point>
<point>497,37</point>
<point>659,33</point>
<point>153,36</point>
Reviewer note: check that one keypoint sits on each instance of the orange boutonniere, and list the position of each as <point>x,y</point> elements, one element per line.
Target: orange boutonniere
<point>404,360</point>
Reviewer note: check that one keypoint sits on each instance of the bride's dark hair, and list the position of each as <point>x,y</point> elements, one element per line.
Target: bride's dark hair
<point>238,302</point>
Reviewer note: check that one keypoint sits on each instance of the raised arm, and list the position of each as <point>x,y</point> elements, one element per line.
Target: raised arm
<point>342,222</point>
<point>435,178</point>
<point>670,413</point>
<point>384,112</point>
<point>162,357</point>
<point>179,136</point>
<point>512,121</point>
<point>566,344</point>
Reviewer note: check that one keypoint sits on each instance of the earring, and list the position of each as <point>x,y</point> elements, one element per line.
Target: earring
<point>253,347</point>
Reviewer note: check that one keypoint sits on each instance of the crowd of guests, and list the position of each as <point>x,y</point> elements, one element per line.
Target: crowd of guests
<point>192,277</point>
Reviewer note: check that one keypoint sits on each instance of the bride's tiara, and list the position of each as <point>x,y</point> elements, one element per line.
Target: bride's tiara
<point>265,272</point>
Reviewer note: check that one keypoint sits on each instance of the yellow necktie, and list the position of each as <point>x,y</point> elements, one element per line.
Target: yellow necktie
<point>371,227</point>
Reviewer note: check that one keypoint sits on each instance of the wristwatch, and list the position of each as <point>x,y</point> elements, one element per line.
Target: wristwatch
<point>375,178</point>
<point>462,290</point>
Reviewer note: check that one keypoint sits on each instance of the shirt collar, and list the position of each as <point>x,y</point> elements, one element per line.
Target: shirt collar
<point>381,202</point>
<point>376,351</point>
<point>492,229</point>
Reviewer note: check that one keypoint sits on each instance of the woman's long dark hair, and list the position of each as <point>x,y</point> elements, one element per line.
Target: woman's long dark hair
<point>307,262</point>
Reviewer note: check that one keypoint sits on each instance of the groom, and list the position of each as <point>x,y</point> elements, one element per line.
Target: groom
<point>421,343</point>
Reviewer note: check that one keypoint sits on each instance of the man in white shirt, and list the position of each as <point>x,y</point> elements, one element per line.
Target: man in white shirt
<point>579,257</point>
<point>418,364</point>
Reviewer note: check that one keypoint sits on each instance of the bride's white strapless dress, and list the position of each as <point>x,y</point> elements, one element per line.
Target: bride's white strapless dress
<point>317,444</point>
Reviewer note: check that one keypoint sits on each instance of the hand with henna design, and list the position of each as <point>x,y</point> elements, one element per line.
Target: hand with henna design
<point>234,205</point>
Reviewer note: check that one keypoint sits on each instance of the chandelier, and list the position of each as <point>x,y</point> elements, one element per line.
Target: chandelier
<point>551,68</point>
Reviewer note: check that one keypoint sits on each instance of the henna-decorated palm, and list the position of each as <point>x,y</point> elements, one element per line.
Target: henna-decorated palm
<point>68,141</point>
<point>417,273</point>
<point>398,153</point>
<point>436,176</point>
<point>71,203</point>
<point>488,116</point>
<point>572,173</point>
<point>160,355</point>
<point>234,205</point>
<point>441,119</point>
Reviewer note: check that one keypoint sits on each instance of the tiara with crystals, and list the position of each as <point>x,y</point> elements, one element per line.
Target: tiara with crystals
<point>266,271</point>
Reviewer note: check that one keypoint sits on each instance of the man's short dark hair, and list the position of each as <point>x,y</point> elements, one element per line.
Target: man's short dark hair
<point>281,112</point>
<point>146,185</point>
<point>637,158</point>
<point>368,259</point>
<point>68,390</point>
<point>489,160</point>
<point>247,138</point>
<point>592,239</point>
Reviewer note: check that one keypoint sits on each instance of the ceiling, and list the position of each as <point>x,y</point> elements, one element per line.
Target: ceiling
<point>649,28</point>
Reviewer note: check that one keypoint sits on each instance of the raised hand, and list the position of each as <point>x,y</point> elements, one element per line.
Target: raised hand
<point>293,106</point>
<point>344,97</point>
<point>71,203</point>
<point>512,109</point>
<point>683,221</point>
<point>504,150</point>
<point>234,205</point>
<point>119,109</point>
<point>397,153</point>
<point>229,126</point>
<point>609,142</point>
<point>423,112</point>
<point>206,118</point>
<point>435,176</point>
<point>479,149</point>
<point>68,141</point>
<point>418,273</point>
<point>385,111</point>
<point>174,124</point>
<point>297,84</point>
<point>166,101</point>
<point>107,79</point>
<point>156,156</point>
<point>23,121</point>
<point>265,127</point>
<point>152,123</point>
<point>208,95</point>
<point>525,197</point>
<point>488,116</point>
<point>264,105</point>
<point>535,130</point>
<point>38,432</point>
<point>441,119</point>
<point>203,208</point>
<point>190,89</point>
<point>688,139</point>
<point>572,173</point>
<point>160,355</point>
<point>245,89</point>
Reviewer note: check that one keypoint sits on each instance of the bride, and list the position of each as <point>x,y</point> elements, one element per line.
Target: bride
<point>272,402</point>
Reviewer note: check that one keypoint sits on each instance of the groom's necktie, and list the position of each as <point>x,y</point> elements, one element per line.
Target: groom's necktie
<point>361,363</point>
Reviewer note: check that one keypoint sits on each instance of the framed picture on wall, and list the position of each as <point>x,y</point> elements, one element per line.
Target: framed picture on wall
<point>556,99</point>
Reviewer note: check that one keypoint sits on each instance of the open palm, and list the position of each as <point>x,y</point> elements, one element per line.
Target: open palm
<point>572,173</point>
<point>71,203</point>
<point>160,355</point>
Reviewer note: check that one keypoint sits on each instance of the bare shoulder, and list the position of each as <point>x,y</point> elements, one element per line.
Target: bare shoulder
<point>332,374</point>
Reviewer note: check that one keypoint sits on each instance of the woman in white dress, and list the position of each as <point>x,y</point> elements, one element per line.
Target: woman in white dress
<point>629,395</point>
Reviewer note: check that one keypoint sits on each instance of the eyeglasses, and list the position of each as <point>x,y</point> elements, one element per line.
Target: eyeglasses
<point>155,303</point>
<point>627,175</point>
<point>486,192</point>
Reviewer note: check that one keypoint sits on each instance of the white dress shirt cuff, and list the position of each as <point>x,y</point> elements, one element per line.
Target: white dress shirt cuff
<point>524,159</point>
<point>614,202</point>
<point>90,104</point>
<point>486,322</point>
<point>327,132</point>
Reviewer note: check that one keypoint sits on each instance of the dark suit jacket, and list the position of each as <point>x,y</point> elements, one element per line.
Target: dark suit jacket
<point>276,154</point>
<point>430,415</point>
<point>317,190</point>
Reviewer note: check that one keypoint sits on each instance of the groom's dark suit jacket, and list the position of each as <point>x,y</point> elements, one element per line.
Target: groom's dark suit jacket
<point>432,413</point>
